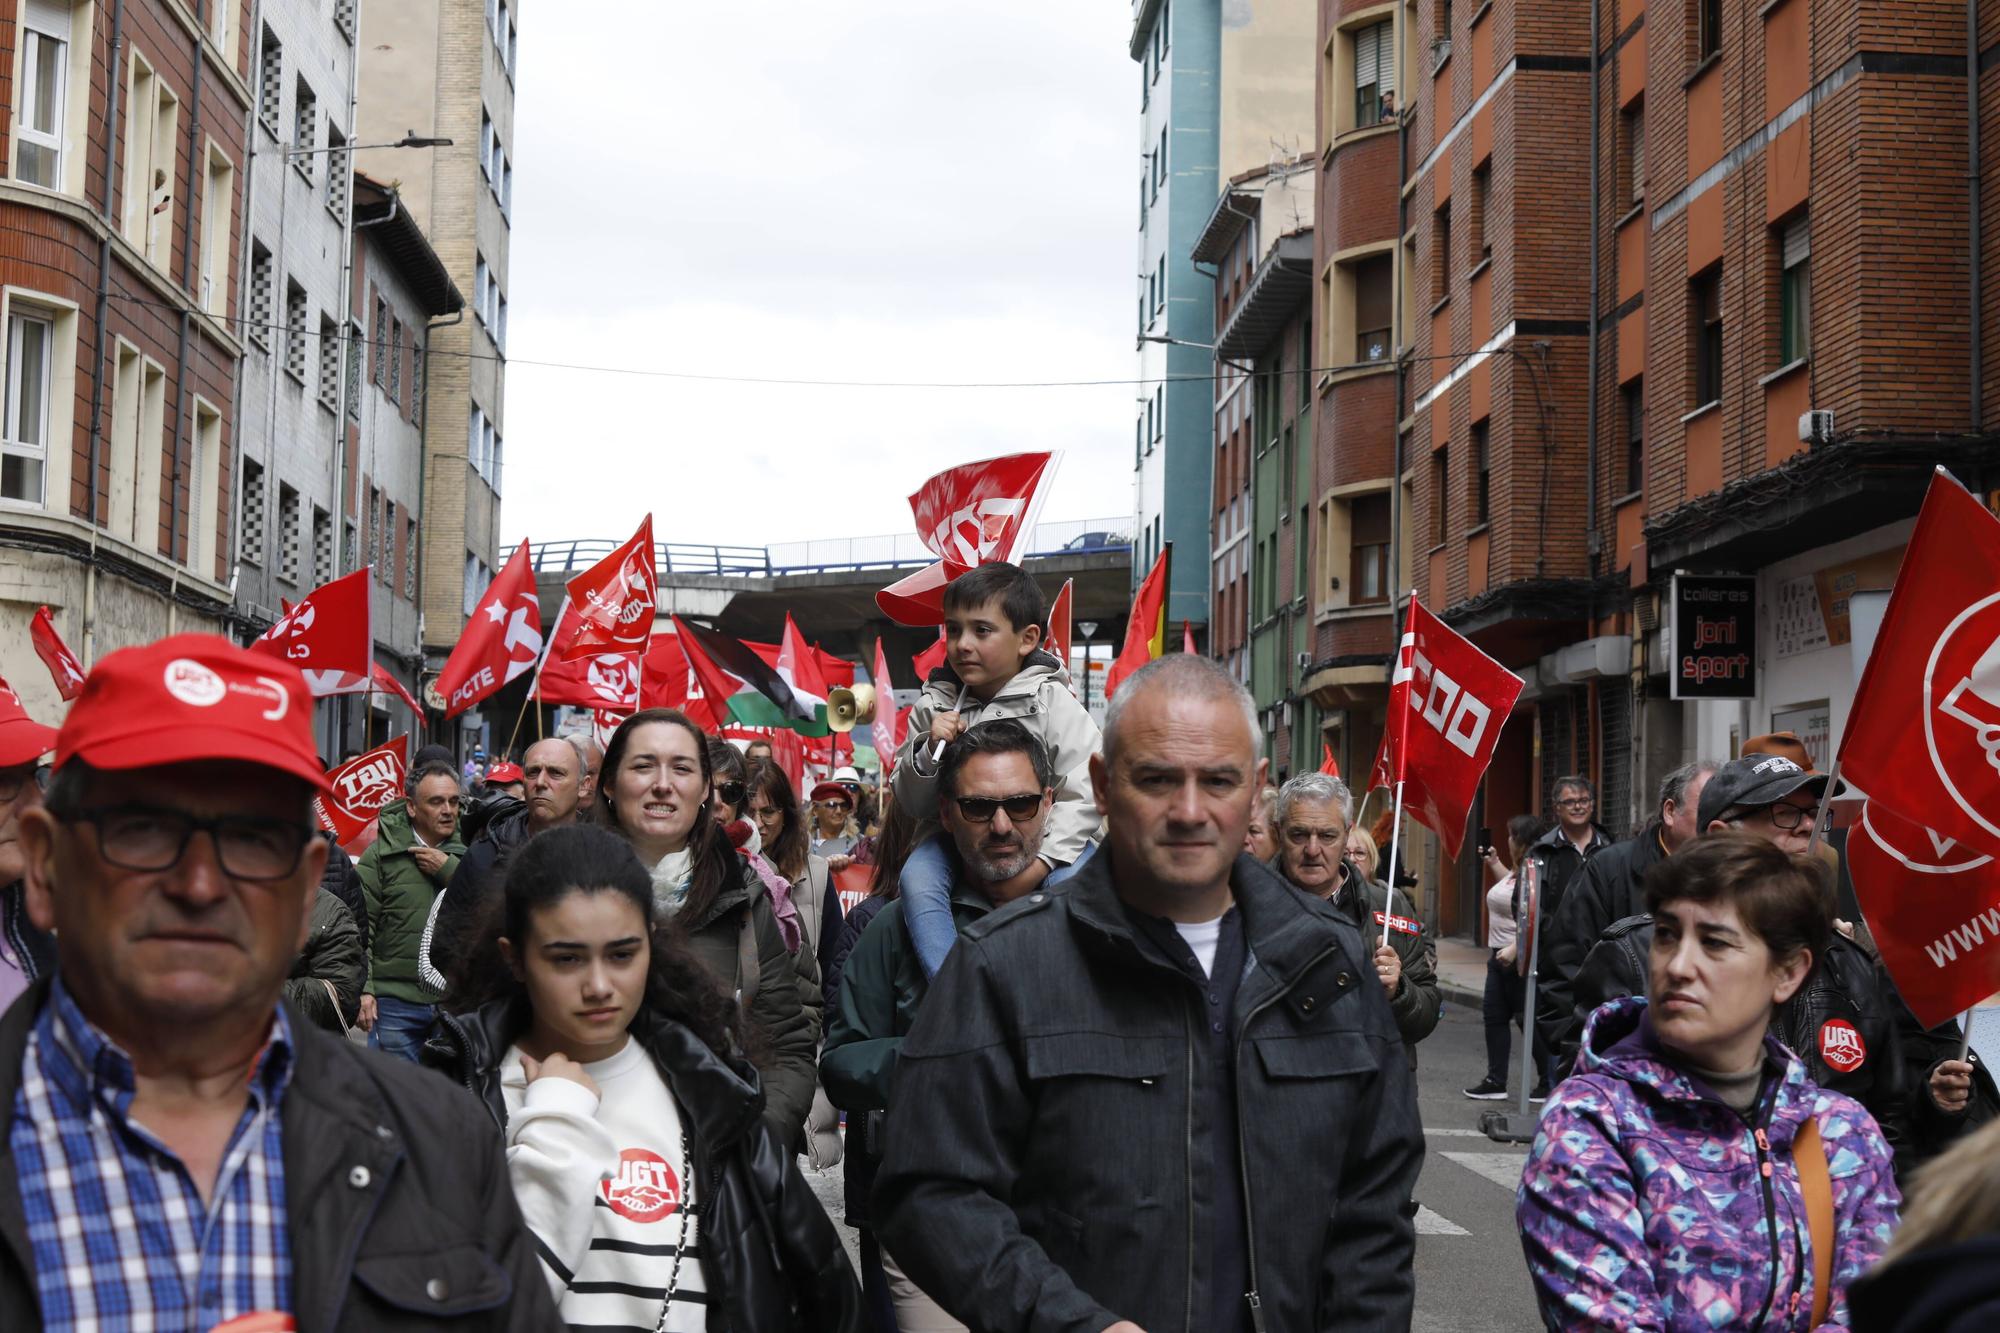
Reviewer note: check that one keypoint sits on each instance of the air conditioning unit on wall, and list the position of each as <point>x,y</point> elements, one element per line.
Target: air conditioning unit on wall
<point>1816,426</point>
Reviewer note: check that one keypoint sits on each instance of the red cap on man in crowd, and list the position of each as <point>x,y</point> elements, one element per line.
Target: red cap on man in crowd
<point>22,739</point>
<point>188,698</point>
<point>505,771</point>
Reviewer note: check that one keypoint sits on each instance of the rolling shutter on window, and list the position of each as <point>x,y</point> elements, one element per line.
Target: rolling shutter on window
<point>47,16</point>
<point>1797,242</point>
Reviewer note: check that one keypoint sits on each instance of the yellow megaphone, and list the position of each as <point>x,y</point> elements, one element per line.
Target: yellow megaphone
<point>847,708</point>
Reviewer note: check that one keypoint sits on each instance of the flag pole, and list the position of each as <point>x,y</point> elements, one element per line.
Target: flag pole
<point>1964,1034</point>
<point>1825,810</point>
<point>937,751</point>
<point>1395,842</point>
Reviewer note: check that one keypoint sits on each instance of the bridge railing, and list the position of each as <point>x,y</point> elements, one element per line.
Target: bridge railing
<point>1093,536</point>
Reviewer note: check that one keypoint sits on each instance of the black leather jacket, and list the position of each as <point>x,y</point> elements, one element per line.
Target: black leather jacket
<point>1847,990</point>
<point>770,1258</point>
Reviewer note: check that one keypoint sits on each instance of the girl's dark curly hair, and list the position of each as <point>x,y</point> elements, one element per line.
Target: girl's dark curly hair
<point>578,858</point>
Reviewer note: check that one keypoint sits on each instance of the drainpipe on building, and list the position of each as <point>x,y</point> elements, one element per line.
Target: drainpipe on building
<point>104,264</point>
<point>181,343</point>
<point>1973,184</point>
<point>1402,363</point>
<point>242,330</point>
<point>1593,539</point>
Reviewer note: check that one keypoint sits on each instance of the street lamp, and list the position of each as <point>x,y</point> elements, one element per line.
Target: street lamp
<point>410,140</point>
<point>1086,628</point>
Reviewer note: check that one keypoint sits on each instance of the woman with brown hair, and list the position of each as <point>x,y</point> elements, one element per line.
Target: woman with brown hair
<point>654,790</point>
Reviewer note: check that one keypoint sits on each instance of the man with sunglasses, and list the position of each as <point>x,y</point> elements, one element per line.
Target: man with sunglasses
<point>413,857</point>
<point>995,783</point>
<point>183,1151</point>
<point>26,952</point>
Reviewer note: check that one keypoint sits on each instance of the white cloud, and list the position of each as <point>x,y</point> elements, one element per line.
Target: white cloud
<point>902,190</point>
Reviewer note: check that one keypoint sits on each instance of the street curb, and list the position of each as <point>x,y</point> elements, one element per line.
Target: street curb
<point>1456,993</point>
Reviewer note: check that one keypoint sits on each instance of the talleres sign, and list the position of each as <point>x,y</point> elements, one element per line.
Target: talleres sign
<point>1712,636</point>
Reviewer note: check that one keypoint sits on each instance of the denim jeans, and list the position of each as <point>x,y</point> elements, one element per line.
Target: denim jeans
<point>400,1026</point>
<point>1500,1006</point>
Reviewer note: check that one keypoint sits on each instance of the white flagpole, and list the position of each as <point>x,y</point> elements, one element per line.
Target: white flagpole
<point>1395,842</point>
<point>1965,1034</point>
<point>937,751</point>
<point>1825,809</point>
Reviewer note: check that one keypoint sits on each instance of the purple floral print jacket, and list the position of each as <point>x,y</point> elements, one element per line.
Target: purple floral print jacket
<point>1648,1204</point>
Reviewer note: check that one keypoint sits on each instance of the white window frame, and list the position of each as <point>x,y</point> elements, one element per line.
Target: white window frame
<point>34,25</point>
<point>212,249</point>
<point>17,319</point>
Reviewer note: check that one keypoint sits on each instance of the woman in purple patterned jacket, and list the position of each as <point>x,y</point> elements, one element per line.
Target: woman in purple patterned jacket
<point>1662,1193</point>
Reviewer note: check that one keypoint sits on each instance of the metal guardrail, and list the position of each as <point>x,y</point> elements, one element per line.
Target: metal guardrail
<point>1072,537</point>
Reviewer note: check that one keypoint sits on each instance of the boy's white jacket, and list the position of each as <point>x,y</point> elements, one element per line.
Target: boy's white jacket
<point>1040,698</point>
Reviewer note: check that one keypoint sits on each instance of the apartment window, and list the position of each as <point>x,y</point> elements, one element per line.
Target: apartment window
<point>270,81</point>
<point>1287,466</point>
<point>339,172</point>
<point>1160,157</point>
<point>217,199</point>
<point>1306,360</point>
<point>322,570</point>
<point>1795,290</point>
<point>1482,461</point>
<point>329,364</point>
<point>288,532</point>
<point>488,143</point>
<point>152,113</point>
<point>386,571</point>
<point>1441,496</point>
<point>253,512</point>
<point>42,111</point>
<point>343,18</point>
<point>418,363</point>
<point>1708,28</point>
<point>354,341</point>
<point>24,445</point>
<point>205,526</point>
<point>1368,549</point>
<point>222,28</point>
<point>1441,253</point>
<point>1482,193</point>
<point>1374,73</point>
<point>481,280</point>
<point>409,556</point>
<point>476,579</point>
<point>297,331</point>
<point>305,128</point>
<point>395,360</point>
<point>263,295</point>
<point>475,445</point>
<point>1160,301</point>
<point>1632,409</point>
<point>381,342</point>
<point>350,544</point>
<point>496,457</point>
<point>374,525</point>
<point>1633,138</point>
<point>1705,308</point>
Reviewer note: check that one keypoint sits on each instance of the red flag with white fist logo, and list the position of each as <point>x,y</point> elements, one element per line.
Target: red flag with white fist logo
<point>1447,703</point>
<point>615,600</point>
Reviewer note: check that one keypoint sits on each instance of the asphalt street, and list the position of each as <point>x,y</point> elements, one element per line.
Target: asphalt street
<point>1470,1277</point>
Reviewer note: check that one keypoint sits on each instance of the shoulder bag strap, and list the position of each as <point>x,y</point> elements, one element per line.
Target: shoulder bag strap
<point>1809,1155</point>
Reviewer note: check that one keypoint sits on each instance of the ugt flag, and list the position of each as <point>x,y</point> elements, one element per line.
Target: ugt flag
<point>1447,703</point>
<point>1934,905</point>
<point>968,515</point>
<point>502,638</point>
<point>360,788</point>
<point>55,654</point>
<point>1923,737</point>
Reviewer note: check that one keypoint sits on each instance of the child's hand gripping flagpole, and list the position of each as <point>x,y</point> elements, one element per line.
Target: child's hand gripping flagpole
<point>937,751</point>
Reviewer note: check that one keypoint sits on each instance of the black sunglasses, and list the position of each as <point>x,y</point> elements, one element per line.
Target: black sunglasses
<point>730,792</point>
<point>979,809</point>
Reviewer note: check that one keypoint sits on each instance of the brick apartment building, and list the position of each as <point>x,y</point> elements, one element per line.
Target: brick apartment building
<point>122,145</point>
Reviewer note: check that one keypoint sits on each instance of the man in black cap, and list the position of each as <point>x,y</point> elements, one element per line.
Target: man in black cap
<point>1767,795</point>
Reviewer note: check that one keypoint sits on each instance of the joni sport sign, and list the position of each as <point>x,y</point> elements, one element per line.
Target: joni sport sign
<point>1712,634</point>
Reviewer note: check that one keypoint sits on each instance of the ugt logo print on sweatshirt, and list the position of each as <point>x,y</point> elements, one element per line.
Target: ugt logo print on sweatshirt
<point>644,1188</point>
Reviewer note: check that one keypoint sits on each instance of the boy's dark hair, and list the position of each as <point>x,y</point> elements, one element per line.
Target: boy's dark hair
<point>1020,597</point>
<point>1781,898</point>
<point>1003,735</point>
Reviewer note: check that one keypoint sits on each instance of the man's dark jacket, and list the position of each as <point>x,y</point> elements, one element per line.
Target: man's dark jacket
<point>770,1258</point>
<point>1050,1099</point>
<point>1561,863</point>
<point>480,875</point>
<point>34,947</point>
<point>1610,887</point>
<point>397,1203</point>
<point>1847,988</point>
<point>1417,1001</point>
<point>344,882</point>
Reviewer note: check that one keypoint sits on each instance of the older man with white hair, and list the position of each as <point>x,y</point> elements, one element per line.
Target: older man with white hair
<point>1314,812</point>
<point>1166,1095</point>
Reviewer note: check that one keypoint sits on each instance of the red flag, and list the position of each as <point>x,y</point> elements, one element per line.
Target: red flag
<point>1934,905</point>
<point>360,788</point>
<point>610,681</point>
<point>603,723</point>
<point>1061,636</point>
<point>1146,631</point>
<point>1447,703</point>
<point>967,515</point>
<point>663,679</point>
<point>1923,736</point>
<point>799,664</point>
<point>929,660</point>
<point>615,600</point>
<point>55,654</point>
<point>502,637</point>
<point>1187,639</point>
<point>327,635</point>
<point>888,724</point>
<point>381,682</point>
<point>1329,766</point>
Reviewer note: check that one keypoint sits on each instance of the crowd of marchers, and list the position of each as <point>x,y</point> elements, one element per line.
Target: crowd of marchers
<point>1120,1038</point>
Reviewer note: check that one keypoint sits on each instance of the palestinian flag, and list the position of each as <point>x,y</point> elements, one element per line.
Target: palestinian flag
<point>798,667</point>
<point>741,687</point>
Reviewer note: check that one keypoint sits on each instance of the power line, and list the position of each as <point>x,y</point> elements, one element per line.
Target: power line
<point>360,339</point>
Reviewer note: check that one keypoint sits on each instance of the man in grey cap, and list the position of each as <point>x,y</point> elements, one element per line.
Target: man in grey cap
<point>1767,795</point>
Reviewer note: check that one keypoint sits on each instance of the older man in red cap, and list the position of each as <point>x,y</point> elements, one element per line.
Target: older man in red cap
<point>183,1152</point>
<point>25,951</point>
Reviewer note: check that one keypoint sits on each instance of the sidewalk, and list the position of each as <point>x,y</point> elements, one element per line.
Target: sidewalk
<point>1461,970</point>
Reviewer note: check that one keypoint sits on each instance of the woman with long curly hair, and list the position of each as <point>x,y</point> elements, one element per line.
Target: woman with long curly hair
<point>655,791</point>
<point>613,1062</point>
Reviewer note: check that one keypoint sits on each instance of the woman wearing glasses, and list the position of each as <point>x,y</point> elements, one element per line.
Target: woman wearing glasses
<point>656,789</point>
<point>834,829</point>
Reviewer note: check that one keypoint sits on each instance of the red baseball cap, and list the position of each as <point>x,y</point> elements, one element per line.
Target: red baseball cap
<point>188,698</point>
<point>506,771</point>
<point>22,739</point>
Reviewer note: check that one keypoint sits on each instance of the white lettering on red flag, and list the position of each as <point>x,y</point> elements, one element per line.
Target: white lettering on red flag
<point>615,600</point>
<point>328,631</point>
<point>360,788</point>
<point>1933,904</point>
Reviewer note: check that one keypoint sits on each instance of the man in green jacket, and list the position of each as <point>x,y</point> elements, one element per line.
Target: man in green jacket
<point>995,784</point>
<point>413,857</point>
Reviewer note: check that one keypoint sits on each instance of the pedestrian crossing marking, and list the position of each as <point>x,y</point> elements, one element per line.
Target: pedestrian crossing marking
<point>1502,1168</point>
<point>1431,1224</point>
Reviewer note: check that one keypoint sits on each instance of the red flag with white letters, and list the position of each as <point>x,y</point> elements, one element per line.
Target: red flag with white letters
<point>1447,703</point>
<point>327,635</point>
<point>359,788</point>
<point>501,640</point>
<point>1933,904</point>
<point>615,600</point>
<point>1923,736</point>
<point>55,654</point>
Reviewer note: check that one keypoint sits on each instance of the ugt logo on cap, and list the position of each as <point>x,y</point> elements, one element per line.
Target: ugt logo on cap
<point>194,684</point>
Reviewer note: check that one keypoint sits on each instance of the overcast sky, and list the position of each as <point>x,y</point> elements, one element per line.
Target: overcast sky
<point>885,190</point>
